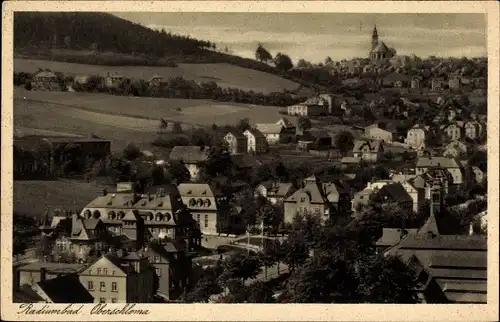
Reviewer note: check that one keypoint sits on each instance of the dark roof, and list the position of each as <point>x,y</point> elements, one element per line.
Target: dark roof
<point>66,289</point>
<point>396,191</point>
<point>256,133</point>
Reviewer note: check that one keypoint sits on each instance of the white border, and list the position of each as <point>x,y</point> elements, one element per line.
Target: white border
<point>242,312</point>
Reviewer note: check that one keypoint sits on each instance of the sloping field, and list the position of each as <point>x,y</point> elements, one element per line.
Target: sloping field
<point>225,75</point>
<point>124,119</point>
<point>31,197</point>
<point>144,113</point>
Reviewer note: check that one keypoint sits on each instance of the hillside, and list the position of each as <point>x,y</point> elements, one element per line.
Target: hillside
<point>103,39</point>
<point>97,31</point>
<point>225,75</point>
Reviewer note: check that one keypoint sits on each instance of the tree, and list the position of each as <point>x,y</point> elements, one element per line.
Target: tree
<point>480,160</point>
<point>262,55</point>
<point>19,245</point>
<point>325,278</point>
<point>374,275</point>
<point>177,128</point>
<point>243,125</point>
<point>178,171</point>
<point>163,125</point>
<point>240,266</point>
<point>344,141</point>
<point>204,287</point>
<point>131,152</point>
<point>295,250</point>
<point>283,62</point>
<point>328,60</point>
<point>304,123</point>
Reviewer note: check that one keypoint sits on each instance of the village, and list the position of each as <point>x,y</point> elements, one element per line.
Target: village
<point>396,156</point>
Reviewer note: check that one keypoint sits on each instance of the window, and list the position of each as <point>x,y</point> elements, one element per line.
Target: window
<point>113,272</point>
<point>90,285</point>
<point>114,287</point>
<point>158,272</point>
<point>157,259</point>
<point>316,210</point>
<point>206,221</point>
<point>102,287</point>
<point>105,271</point>
<point>102,300</point>
<point>114,300</point>
<point>98,271</point>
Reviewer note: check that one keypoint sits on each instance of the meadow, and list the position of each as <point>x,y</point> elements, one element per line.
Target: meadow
<point>225,75</point>
<point>125,119</point>
<point>62,194</point>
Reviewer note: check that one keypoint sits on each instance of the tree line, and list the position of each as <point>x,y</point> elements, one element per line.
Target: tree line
<point>176,87</point>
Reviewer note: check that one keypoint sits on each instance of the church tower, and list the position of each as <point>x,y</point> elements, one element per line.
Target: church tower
<point>374,37</point>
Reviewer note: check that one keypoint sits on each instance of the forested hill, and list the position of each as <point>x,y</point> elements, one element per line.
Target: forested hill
<point>97,31</point>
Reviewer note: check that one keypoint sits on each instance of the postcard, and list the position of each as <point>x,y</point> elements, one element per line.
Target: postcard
<point>256,160</point>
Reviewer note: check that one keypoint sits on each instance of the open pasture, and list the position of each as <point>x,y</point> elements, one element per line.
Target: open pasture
<point>142,113</point>
<point>225,75</point>
<point>31,197</point>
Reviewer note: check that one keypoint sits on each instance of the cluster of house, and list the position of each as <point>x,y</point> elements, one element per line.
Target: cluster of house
<point>384,60</point>
<point>46,80</point>
<point>122,246</point>
<point>449,268</point>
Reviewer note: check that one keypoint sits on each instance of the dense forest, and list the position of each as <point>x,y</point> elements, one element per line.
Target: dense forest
<point>96,38</point>
<point>97,31</point>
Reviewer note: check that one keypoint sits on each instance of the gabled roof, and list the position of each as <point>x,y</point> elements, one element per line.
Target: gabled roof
<point>286,123</point>
<point>312,190</point>
<point>396,191</point>
<point>190,154</point>
<point>380,48</point>
<point>430,226</point>
<point>256,133</point>
<point>236,134</point>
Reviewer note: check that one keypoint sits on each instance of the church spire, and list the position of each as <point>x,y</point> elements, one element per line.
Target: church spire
<point>374,37</point>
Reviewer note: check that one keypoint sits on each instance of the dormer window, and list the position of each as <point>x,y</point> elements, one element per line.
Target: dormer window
<point>159,217</point>
<point>160,204</point>
<point>192,202</point>
<point>207,203</point>
<point>199,202</point>
<point>167,217</point>
<point>111,215</point>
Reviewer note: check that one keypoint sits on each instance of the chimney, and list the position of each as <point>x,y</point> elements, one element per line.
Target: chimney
<point>104,192</point>
<point>43,274</point>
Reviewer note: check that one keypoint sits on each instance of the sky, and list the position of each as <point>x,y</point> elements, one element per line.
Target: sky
<point>315,36</point>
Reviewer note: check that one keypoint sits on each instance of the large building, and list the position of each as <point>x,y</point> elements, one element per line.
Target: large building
<point>449,268</point>
<point>191,157</point>
<point>379,51</point>
<point>208,206</point>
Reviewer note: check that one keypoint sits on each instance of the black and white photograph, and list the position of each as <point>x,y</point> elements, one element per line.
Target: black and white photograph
<point>248,157</point>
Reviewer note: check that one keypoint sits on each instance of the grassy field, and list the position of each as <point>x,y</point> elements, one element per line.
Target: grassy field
<point>124,119</point>
<point>225,75</point>
<point>31,197</point>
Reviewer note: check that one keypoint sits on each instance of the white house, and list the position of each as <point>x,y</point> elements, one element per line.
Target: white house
<point>256,141</point>
<point>272,132</point>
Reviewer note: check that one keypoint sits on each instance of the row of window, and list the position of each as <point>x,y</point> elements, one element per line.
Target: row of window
<point>199,203</point>
<point>102,271</point>
<point>102,286</point>
<point>103,300</point>
<point>198,220</point>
